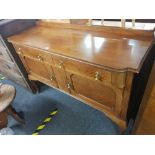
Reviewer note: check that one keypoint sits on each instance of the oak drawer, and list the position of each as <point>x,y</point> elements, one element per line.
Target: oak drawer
<point>82,69</point>
<point>33,53</point>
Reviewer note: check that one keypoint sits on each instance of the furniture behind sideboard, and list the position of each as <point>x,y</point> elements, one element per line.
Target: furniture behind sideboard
<point>145,121</point>
<point>10,64</point>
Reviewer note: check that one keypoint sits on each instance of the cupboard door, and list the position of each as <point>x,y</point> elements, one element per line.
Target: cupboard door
<point>39,69</point>
<point>91,90</point>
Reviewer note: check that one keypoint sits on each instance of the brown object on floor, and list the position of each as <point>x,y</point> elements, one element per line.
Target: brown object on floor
<point>145,122</point>
<point>7,95</point>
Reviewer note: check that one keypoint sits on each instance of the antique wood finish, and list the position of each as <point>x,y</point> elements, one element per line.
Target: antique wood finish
<point>115,32</point>
<point>94,66</point>
<point>61,78</point>
<point>145,124</point>
<point>113,52</point>
<point>81,86</point>
<point>37,65</point>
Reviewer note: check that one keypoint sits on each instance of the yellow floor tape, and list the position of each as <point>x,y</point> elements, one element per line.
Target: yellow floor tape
<point>47,120</point>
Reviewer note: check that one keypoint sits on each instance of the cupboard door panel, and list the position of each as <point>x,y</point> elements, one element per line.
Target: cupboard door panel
<point>40,69</point>
<point>93,90</point>
<point>36,67</point>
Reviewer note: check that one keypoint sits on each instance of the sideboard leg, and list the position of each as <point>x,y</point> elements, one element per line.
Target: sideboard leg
<point>122,128</point>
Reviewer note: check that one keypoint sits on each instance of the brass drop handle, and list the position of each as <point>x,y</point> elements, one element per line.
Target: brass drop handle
<point>70,85</point>
<point>97,76</point>
<point>52,78</point>
<point>40,58</point>
<point>60,65</point>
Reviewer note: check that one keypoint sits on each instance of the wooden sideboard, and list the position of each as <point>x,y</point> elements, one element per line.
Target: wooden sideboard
<point>145,121</point>
<point>97,65</point>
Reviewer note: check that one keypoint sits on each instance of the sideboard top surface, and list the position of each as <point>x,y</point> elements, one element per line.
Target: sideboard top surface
<point>104,49</point>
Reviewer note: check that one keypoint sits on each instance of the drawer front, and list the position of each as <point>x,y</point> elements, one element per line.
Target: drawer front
<point>8,67</point>
<point>33,53</point>
<point>109,78</point>
<point>82,69</point>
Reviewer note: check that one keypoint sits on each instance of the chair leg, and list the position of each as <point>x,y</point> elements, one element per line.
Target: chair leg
<point>11,111</point>
<point>3,119</point>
